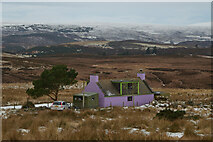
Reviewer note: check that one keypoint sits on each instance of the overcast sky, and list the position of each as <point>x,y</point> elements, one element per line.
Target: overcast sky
<point>133,13</point>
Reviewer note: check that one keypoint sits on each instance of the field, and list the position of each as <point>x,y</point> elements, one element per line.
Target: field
<point>102,44</point>
<point>161,71</point>
<point>117,123</point>
<point>106,44</point>
<point>158,46</point>
<point>185,83</point>
<point>21,96</point>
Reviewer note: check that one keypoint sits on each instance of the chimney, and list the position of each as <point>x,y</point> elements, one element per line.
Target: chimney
<point>141,74</point>
<point>93,78</point>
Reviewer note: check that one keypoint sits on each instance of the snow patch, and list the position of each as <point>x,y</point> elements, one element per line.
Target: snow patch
<point>42,128</point>
<point>19,106</point>
<point>23,130</point>
<point>145,132</point>
<point>60,129</point>
<point>178,134</point>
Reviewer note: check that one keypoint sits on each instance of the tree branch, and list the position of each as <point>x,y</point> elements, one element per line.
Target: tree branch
<point>55,93</point>
<point>51,97</point>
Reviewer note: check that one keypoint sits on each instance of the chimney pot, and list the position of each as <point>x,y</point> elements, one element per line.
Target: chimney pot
<point>141,74</point>
<point>93,78</point>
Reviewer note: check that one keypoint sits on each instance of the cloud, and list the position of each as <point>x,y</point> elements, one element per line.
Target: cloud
<point>72,12</point>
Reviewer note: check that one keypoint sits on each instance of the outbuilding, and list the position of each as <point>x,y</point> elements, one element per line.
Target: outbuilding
<point>86,100</point>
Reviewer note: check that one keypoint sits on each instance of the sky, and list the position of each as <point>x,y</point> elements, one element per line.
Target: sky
<point>164,13</point>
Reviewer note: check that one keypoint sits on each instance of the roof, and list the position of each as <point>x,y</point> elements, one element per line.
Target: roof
<point>125,80</point>
<point>87,94</point>
<point>109,90</point>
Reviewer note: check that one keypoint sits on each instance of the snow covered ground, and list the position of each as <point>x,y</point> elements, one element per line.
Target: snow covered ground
<point>155,105</point>
<point>19,106</point>
<point>7,110</point>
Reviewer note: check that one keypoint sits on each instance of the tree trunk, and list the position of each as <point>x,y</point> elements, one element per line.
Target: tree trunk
<point>52,98</point>
<point>56,95</point>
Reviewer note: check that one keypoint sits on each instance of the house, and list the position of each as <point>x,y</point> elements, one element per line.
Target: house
<point>122,92</point>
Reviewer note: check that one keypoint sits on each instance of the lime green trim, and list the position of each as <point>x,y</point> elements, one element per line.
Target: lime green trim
<point>121,96</point>
<point>126,95</point>
<point>138,89</point>
<point>121,88</point>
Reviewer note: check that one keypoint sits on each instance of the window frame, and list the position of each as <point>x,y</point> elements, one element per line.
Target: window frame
<point>130,86</point>
<point>128,99</point>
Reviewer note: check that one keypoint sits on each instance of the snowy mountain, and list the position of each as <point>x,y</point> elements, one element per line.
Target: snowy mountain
<point>28,36</point>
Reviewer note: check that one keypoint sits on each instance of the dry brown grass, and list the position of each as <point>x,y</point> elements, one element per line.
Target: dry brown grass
<point>19,96</point>
<point>87,43</point>
<point>175,71</point>
<point>198,96</point>
<point>96,125</point>
<point>189,130</point>
<point>203,125</point>
<point>107,124</point>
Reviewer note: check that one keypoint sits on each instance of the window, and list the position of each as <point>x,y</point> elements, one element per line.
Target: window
<point>56,103</point>
<point>129,98</point>
<point>80,98</point>
<point>129,85</point>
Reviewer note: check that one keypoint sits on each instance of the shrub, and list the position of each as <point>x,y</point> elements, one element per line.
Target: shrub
<point>191,103</point>
<point>194,117</point>
<point>170,115</point>
<point>174,105</point>
<point>175,127</point>
<point>28,104</point>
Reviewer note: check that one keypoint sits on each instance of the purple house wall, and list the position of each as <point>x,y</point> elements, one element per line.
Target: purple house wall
<point>122,100</point>
<point>138,100</point>
<point>93,87</point>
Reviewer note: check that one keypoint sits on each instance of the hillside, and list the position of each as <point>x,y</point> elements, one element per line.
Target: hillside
<point>29,36</point>
<point>161,71</point>
<point>128,47</point>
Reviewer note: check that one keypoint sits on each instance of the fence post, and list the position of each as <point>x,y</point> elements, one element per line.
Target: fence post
<point>133,100</point>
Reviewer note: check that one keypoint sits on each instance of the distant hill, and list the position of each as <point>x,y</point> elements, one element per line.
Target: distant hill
<point>37,39</point>
<point>129,47</point>
<point>14,49</point>
<point>32,35</point>
<point>196,44</point>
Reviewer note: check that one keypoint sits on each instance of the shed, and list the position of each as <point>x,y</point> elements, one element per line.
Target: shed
<point>89,99</point>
